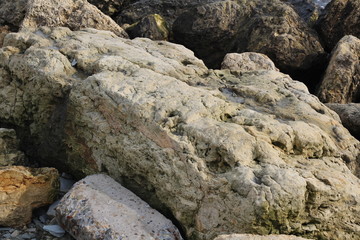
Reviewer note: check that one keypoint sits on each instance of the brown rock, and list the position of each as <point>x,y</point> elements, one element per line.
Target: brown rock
<point>341,17</point>
<point>23,189</point>
<point>341,82</point>
<point>9,144</point>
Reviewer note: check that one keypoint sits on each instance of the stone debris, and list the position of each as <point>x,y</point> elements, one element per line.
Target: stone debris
<point>97,207</point>
<point>55,230</point>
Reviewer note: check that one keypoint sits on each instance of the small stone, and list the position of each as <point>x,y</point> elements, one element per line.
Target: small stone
<point>15,233</point>
<point>65,184</point>
<point>54,230</point>
<point>51,211</point>
<point>27,236</point>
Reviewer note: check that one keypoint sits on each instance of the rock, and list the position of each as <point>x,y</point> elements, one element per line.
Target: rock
<point>55,230</point>
<point>341,17</point>
<point>111,7</point>
<point>97,207</point>
<point>75,14</point>
<point>349,115</point>
<point>9,144</point>
<point>341,82</point>
<point>272,28</point>
<point>151,26</point>
<point>253,152</point>
<point>3,31</point>
<point>309,10</point>
<point>23,189</point>
<point>248,61</point>
<point>257,237</point>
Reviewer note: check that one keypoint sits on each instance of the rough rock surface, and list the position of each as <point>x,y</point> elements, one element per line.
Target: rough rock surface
<point>97,207</point>
<point>151,26</point>
<point>9,152</point>
<point>270,27</point>
<point>309,10</point>
<point>23,189</point>
<point>341,17</point>
<point>75,14</point>
<point>3,31</point>
<point>254,153</point>
<point>257,237</point>
<point>341,82</point>
<point>349,115</point>
<point>248,61</point>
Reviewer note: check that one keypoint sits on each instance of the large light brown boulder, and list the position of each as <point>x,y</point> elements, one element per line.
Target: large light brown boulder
<point>9,148</point>
<point>97,207</point>
<point>74,14</point>
<point>247,62</point>
<point>341,82</point>
<point>253,153</point>
<point>341,17</point>
<point>257,237</point>
<point>23,189</point>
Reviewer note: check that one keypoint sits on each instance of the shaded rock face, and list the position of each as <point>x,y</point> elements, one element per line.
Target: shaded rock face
<point>97,207</point>
<point>23,189</point>
<point>248,61</point>
<point>349,115</point>
<point>341,82</point>
<point>75,14</point>
<point>271,27</point>
<point>257,237</point>
<point>254,153</point>
<point>341,17</point>
<point>152,26</point>
<point>111,7</point>
<point>9,144</point>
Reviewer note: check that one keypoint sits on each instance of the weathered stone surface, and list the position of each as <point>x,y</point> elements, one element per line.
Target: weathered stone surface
<point>341,82</point>
<point>257,237</point>
<point>349,115</point>
<point>74,14</point>
<point>252,153</point>
<point>341,17</point>
<point>97,207</point>
<point>271,27</point>
<point>9,152</point>
<point>151,26</point>
<point>3,31</point>
<point>23,189</point>
<point>248,61</point>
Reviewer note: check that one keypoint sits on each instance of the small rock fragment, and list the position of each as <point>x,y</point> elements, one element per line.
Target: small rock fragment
<point>54,230</point>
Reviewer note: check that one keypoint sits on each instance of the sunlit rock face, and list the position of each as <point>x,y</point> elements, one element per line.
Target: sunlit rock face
<point>218,150</point>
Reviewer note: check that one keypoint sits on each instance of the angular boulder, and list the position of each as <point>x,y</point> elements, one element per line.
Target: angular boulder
<point>341,81</point>
<point>9,148</point>
<point>74,14</point>
<point>248,61</point>
<point>97,207</point>
<point>257,237</point>
<point>349,115</point>
<point>341,17</point>
<point>252,153</point>
<point>23,189</point>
